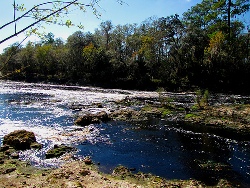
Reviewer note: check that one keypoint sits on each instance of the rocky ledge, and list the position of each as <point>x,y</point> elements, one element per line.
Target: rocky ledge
<point>21,140</point>
<point>58,151</point>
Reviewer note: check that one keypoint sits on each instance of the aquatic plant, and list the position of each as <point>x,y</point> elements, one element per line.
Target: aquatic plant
<point>202,98</point>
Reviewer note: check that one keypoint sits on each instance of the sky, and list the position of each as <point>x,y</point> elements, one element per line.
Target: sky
<point>132,11</point>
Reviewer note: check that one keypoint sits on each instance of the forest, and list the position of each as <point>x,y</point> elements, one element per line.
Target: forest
<point>207,47</point>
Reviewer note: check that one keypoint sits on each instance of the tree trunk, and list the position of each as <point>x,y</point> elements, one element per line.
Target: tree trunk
<point>229,18</point>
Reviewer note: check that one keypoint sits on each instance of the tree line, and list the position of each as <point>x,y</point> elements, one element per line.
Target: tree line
<point>207,47</point>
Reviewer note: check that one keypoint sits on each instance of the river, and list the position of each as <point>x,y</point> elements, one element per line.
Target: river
<point>155,146</point>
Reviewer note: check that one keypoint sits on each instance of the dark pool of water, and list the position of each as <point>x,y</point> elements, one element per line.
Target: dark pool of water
<point>159,148</point>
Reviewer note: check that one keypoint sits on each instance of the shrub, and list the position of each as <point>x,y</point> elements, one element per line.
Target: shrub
<point>202,98</point>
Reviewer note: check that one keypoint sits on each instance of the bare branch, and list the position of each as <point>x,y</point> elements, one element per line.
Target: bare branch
<point>12,53</point>
<point>43,18</point>
<point>35,8</point>
<point>42,14</point>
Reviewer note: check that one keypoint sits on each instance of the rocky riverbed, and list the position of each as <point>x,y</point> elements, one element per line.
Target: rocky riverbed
<point>79,117</point>
<point>77,173</point>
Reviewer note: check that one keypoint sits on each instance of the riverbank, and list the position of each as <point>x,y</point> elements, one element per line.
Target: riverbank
<point>141,130</point>
<point>235,117</point>
<point>231,114</point>
<point>15,173</point>
<point>76,172</point>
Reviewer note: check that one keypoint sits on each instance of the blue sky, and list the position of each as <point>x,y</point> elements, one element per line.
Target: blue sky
<point>133,11</point>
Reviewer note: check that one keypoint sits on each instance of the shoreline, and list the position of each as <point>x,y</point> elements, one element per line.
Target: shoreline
<point>231,118</point>
<point>15,173</point>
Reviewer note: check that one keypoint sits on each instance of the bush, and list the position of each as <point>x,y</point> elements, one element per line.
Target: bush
<point>202,98</point>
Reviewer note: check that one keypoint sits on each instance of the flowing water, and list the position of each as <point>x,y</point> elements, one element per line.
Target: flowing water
<point>155,146</point>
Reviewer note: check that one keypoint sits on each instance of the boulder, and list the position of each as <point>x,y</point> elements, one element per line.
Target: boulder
<point>126,115</point>
<point>121,171</point>
<point>20,139</point>
<point>87,161</point>
<point>84,120</point>
<point>88,119</point>
<point>36,145</point>
<point>4,147</point>
<point>102,116</point>
<point>58,151</point>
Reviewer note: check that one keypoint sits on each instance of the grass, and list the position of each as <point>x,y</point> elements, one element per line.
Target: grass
<point>165,112</point>
<point>187,116</point>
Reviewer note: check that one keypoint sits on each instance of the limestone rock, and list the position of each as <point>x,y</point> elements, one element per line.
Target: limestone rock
<point>58,151</point>
<point>88,119</point>
<point>20,139</point>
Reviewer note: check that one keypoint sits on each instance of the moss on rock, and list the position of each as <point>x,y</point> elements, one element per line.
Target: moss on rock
<point>20,139</point>
<point>92,118</point>
<point>58,151</point>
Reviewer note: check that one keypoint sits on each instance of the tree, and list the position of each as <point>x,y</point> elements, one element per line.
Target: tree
<point>216,15</point>
<point>214,35</point>
<point>27,61</point>
<point>9,55</point>
<point>49,38</point>
<point>106,28</point>
<point>48,12</point>
<point>55,12</point>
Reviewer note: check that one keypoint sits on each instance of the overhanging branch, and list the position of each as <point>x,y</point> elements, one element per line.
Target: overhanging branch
<point>36,22</point>
<point>35,8</point>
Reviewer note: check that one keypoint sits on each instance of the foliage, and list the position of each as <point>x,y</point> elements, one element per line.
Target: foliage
<point>49,12</point>
<point>215,44</point>
<point>188,116</point>
<point>173,53</point>
<point>202,98</point>
<point>165,112</point>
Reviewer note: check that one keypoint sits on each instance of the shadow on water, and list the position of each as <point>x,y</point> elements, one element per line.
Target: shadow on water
<point>163,149</point>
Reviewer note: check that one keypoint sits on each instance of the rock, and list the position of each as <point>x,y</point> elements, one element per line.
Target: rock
<point>20,139</point>
<point>9,170</point>
<point>99,105</point>
<point>126,115</point>
<point>36,145</point>
<point>87,161</point>
<point>84,172</point>
<point>4,147</point>
<point>84,120</point>
<point>14,156</point>
<point>102,116</point>
<point>74,184</point>
<point>58,151</point>
<point>121,171</point>
<point>88,119</point>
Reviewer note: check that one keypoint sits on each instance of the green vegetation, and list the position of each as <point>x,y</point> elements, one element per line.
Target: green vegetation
<point>201,99</point>
<point>58,151</point>
<point>187,116</point>
<point>165,112</point>
<point>17,173</point>
<point>208,47</point>
<point>231,117</point>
